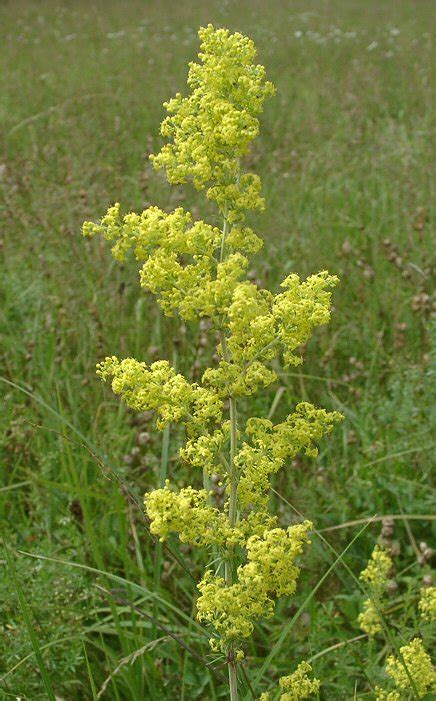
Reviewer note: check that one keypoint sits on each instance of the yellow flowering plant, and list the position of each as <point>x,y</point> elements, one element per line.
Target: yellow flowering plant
<point>398,609</point>
<point>376,576</point>
<point>199,270</point>
<point>412,673</point>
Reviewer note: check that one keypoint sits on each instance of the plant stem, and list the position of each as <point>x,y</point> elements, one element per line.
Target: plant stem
<point>224,236</point>
<point>233,476</point>
<point>233,681</point>
<point>233,506</point>
<point>158,552</point>
<point>233,484</point>
<point>233,515</point>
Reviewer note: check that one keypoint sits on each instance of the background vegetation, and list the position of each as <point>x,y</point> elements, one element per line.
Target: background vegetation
<point>345,159</point>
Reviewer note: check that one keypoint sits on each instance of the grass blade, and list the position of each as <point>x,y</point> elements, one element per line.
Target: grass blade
<point>90,675</point>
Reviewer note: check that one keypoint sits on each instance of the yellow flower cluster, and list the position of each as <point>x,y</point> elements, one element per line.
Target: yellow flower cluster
<point>155,229</point>
<point>427,604</point>
<point>211,129</point>
<point>297,686</point>
<point>230,379</point>
<point>376,574</point>
<point>271,445</point>
<point>180,267</point>
<point>158,387</point>
<point>251,324</point>
<point>261,324</point>
<point>300,308</point>
<point>377,571</point>
<point>197,270</point>
<point>270,571</point>
<point>272,557</point>
<point>419,669</point>
<point>383,695</point>
<point>203,452</point>
<point>369,619</point>
<point>188,514</point>
<point>181,270</point>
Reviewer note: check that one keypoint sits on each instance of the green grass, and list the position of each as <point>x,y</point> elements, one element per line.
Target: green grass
<point>345,158</point>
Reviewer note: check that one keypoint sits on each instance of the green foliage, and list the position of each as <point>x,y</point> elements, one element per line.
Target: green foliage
<point>57,604</point>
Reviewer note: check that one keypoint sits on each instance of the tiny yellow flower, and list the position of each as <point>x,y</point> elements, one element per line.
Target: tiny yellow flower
<point>383,695</point>
<point>211,129</point>
<point>369,620</point>
<point>298,685</point>
<point>413,670</point>
<point>427,604</point>
<point>377,571</point>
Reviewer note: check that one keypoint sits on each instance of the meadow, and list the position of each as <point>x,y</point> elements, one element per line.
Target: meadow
<point>91,607</point>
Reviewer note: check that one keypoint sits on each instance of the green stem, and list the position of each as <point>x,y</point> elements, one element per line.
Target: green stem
<point>233,486</point>
<point>224,236</point>
<point>233,680</point>
<point>158,552</point>
<point>233,475</point>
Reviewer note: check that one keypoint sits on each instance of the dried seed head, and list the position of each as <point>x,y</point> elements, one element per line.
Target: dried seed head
<point>395,548</point>
<point>387,533</point>
<point>347,247</point>
<point>427,554</point>
<point>391,587</point>
<point>352,438</point>
<point>368,272</point>
<point>143,438</point>
<point>204,324</point>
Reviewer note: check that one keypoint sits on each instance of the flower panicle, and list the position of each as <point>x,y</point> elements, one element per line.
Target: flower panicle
<point>412,671</point>
<point>296,686</point>
<point>376,575</point>
<point>199,270</point>
<point>210,130</point>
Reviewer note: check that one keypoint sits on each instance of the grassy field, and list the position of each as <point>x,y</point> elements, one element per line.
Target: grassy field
<point>345,158</point>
